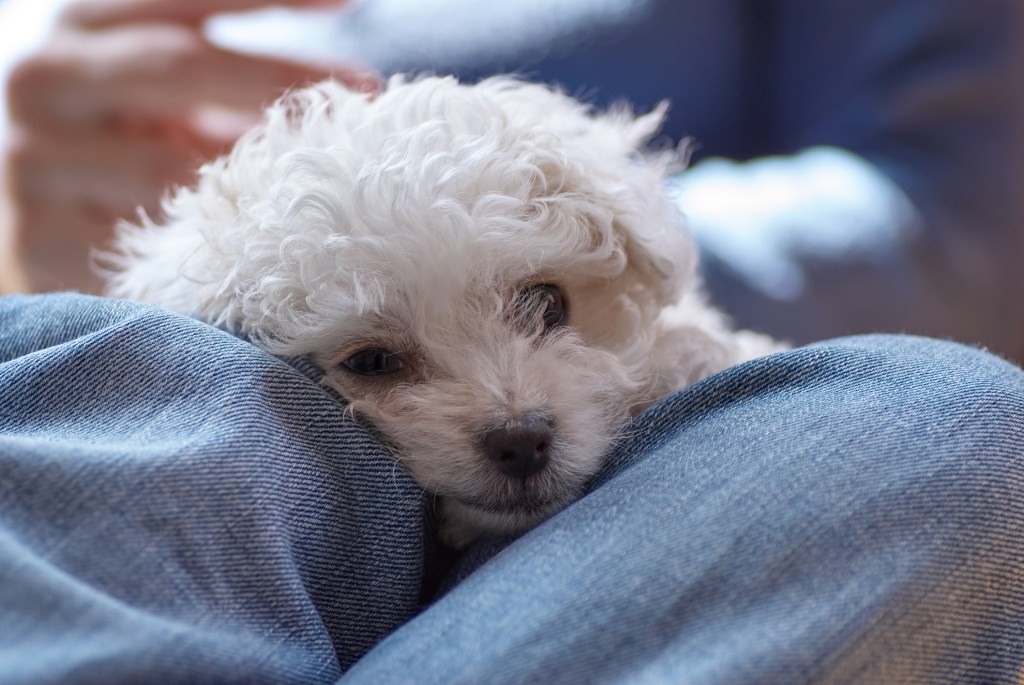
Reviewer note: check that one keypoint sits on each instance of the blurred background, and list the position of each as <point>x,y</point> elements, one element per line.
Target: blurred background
<point>856,164</point>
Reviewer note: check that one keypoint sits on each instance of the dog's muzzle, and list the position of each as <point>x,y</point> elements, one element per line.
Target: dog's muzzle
<point>522,447</point>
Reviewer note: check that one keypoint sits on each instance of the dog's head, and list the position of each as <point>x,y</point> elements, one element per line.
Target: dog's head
<point>477,268</point>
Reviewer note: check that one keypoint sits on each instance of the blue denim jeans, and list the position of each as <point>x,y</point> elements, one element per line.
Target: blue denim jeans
<point>177,506</point>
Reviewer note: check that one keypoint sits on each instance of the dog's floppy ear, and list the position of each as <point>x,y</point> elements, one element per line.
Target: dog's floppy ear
<point>652,229</point>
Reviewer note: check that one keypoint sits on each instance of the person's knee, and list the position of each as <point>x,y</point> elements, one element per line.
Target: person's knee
<point>966,404</point>
<point>947,367</point>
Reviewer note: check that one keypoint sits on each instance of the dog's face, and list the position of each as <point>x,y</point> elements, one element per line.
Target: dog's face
<point>492,386</point>
<point>477,269</point>
<point>493,398</point>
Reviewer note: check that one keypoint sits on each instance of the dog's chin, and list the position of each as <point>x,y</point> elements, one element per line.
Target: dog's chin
<point>513,510</point>
<point>529,505</point>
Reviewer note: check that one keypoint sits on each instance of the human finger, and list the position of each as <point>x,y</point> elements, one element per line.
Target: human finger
<point>116,174</point>
<point>157,70</point>
<point>98,14</point>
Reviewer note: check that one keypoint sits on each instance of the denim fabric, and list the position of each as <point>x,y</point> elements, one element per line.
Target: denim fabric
<point>178,507</point>
<point>851,512</point>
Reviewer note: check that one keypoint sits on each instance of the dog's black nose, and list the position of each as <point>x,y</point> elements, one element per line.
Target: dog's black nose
<point>520,448</point>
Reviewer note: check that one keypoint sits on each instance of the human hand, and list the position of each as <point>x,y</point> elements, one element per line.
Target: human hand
<point>125,98</point>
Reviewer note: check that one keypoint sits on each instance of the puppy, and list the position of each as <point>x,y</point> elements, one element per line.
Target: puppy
<point>491,274</point>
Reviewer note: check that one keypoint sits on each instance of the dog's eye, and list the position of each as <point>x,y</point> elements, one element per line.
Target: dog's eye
<point>549,301</point>
<point>373,362</point>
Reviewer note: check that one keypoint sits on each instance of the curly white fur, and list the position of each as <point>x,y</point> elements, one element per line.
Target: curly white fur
<point>411,222</point>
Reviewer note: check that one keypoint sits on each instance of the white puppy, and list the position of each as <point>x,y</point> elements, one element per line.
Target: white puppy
<point>492,274</point>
